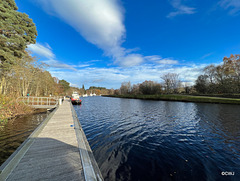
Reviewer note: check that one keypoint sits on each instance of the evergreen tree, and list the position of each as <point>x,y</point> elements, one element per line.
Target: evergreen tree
<point>65,85</point>
<point>17,31</point>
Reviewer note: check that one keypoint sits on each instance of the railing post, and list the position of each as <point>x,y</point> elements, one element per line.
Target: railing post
<point>60,101</point>
<point>41,101</point>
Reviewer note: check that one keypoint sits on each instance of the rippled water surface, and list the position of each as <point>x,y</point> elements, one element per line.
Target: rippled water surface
<point>161,140</point>
<point>15,131</point>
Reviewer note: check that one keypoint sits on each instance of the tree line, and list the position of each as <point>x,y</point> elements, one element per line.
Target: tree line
<point>93,90</point>
<point>215,79</point>
<point>20,73</point>
<point>171,85</point>
<point>220,79</point>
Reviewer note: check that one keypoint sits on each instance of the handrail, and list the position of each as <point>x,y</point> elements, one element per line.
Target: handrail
<point>39,101</point>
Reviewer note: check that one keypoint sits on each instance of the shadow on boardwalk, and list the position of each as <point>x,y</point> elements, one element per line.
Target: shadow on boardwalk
<point>49,159</point>
<point>57,150</point>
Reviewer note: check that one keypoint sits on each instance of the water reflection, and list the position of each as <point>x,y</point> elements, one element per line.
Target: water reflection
<point>15,131</point>
<point>161,140</point>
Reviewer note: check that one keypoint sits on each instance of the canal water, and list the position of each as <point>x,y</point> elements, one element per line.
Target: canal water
<point>14,132</point>
<point>162,140</point>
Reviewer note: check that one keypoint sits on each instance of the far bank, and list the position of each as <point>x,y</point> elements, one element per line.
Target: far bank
<point>183,98</point>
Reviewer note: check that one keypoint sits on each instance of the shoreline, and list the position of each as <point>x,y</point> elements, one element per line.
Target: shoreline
<point>34,111</point>
<point>181,98</point>
<point>76,147</point>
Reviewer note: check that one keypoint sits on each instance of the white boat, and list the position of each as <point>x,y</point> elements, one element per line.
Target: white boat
<point>75,95</point>
<point>85,95</point>
<point>75,99</point>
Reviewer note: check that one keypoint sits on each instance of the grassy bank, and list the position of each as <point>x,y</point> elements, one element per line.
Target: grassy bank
<point>9,108</point>
<point>183,98</point>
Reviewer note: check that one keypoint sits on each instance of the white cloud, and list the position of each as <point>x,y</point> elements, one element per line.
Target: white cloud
<point>82,65</point>
<point>99,22</point>
<point>207,55</point>
<point>180,9</point>
<point>58,64</point>
<point>46,52</point>
<point>130,60</point>
<point>232,5</point>
<point>168,61</point>
<point>114,76</point>
<point>41,50</point>
<point>158,59</point>
<point>93,61</point>
<point>153,58</point>
<point>187,73</point>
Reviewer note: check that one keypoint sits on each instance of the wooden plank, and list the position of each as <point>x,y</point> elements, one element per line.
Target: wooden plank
<point>9,165</point>
<point>54,153</point>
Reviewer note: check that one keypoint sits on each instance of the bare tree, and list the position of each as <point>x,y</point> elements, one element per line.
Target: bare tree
<point>171,82</point>
<point>210,72</point>
<point>125,88</point>
<point>135,89</point>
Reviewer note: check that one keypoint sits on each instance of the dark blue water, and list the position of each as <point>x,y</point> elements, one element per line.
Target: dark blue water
<point>161,140</point>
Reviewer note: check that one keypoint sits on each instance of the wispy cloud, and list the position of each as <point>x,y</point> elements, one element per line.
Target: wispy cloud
<point>82,65</point>
<point>232,5</point>
<point>45,51</point>
<point>41,50</point>
<point>167,61</point>
<point>99,22</point>
<point>153,58</point>
<point>207,55</point>
<point>59,65</point>
<point>158,59</point>
<point>180,9</point>
<point>130,60</point>
<point>112,77</point>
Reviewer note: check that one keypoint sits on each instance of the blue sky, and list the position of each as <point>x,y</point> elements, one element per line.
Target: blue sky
<point>107,42</point>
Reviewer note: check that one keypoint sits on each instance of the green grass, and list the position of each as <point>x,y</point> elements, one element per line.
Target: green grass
<point>183,98</point>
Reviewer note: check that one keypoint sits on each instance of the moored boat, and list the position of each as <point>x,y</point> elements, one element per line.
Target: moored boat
<point>75,99</point>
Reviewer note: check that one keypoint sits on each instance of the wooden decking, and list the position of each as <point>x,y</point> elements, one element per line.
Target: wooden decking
<point>58,151</point>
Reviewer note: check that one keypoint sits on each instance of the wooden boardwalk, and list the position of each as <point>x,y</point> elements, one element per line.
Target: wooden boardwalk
<point>58,150</point>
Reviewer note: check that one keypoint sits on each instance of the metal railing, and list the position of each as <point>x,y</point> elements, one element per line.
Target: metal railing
<point>39,102</point>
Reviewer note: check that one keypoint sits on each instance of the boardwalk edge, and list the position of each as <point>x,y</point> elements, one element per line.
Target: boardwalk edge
<point>90,167</point>
<point>10,164</point>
